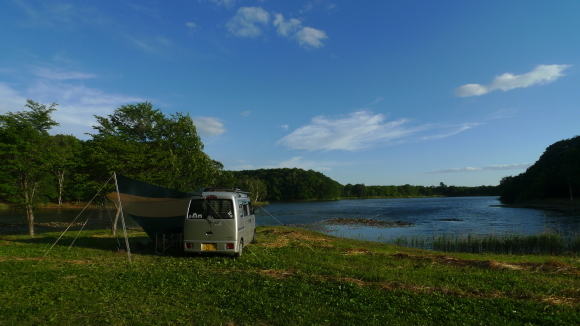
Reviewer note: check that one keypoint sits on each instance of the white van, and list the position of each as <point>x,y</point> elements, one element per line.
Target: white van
<point>221,221</point>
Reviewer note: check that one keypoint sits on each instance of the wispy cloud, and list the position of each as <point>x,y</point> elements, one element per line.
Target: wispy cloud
<point>542,74</point>
<point>356,131</point>
<point>451,130</point>
<point>485,168</point>
<point>253,21</point>
<point>52,14</point>
<point>362,129</point>
<point>59,74</point>
<point>229,4</point>
<point>245,113</point>
<point>377,100</point>
<point>248,22</point>
<point>77,104</point>
<point>207,126</point>
<point>10,99</point>
<point>152,44</point>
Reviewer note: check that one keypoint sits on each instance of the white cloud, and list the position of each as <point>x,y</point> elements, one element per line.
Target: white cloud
<point>286,28</point>
<point>310,37</point>
<point>358,130</point>
<point>485,168</point>
<point>542,74</point>
<point>247,21</point>
<point>285,127</point>
<point>250,21</point>
<point>292,28</point>
<point>245,113</point>
<point>191,25</point>
<point>207,126</point>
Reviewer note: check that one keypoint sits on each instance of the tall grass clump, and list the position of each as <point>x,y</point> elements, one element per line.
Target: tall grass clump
<point>541,244</point>
<point>4,206</point>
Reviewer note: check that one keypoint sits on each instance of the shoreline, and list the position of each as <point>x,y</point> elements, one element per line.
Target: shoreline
<point>571,206</point>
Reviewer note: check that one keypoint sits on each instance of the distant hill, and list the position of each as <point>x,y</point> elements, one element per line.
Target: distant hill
<point>556,175</point>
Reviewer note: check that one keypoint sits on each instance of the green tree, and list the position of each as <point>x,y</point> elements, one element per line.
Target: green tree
<point>257,188</point>
<point>142,143</point>
<point>556,174</point>
<point>25,156</point>
<point>65,157</point>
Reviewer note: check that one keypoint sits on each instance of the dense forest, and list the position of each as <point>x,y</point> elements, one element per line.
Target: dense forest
<point>142,143</point>
<point>556,175</point>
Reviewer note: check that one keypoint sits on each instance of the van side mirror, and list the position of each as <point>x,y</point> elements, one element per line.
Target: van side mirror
<point>255,211</point>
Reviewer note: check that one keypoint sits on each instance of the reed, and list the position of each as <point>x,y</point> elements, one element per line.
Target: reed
<point>512,244</point>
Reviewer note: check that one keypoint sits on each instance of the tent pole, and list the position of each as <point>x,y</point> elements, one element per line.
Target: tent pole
<point>120,208</point>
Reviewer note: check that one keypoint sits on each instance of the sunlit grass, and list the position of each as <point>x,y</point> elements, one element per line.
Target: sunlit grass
<point>289,277</point>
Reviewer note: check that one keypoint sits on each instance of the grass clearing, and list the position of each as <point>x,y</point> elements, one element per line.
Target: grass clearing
<point>291,276</point>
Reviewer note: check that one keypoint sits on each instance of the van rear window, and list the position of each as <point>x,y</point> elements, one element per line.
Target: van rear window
<point>217,208</point>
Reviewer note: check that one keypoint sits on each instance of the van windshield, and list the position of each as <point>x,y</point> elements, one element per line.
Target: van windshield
<point>217,208</point>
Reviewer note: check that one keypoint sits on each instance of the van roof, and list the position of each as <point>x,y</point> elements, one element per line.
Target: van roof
<point>232,191</point>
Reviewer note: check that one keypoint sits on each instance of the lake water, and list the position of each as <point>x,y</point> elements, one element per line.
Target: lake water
<point>454,216</point>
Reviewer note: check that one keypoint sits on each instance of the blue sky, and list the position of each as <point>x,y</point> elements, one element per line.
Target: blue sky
<point>373,92</point>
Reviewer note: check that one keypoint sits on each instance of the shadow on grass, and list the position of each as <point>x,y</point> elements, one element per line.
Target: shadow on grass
<point>93,237</point>
<point>90,237</point>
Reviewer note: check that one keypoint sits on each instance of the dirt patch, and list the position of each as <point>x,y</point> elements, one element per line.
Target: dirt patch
<point>285,237</point>
<point>357,251</point>
<point>278,274</point>
<point>554,267</point>
<point>561,301</point>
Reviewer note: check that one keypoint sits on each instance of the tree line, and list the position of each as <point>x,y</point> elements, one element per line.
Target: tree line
<point>136,140</point>
<point>142,143</point>
<point>556,175</point>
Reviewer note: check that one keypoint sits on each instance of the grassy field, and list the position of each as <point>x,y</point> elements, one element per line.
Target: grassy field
<point>289,277</point>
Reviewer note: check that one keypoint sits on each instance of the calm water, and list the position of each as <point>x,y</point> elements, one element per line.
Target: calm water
<point>429,217</point>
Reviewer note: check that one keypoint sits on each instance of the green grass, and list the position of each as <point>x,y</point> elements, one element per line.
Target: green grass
<point>289,277</point>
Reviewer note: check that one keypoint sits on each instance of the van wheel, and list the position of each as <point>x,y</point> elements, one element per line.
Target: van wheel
<point>240,249</point>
